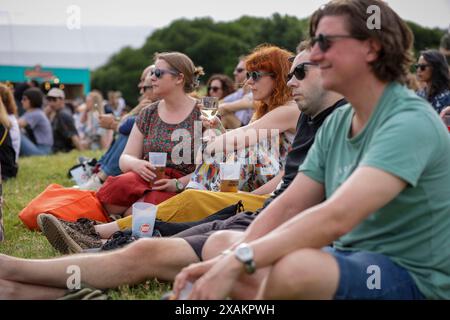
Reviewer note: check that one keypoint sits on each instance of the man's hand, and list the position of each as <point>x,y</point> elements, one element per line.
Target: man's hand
<point>191,273</point>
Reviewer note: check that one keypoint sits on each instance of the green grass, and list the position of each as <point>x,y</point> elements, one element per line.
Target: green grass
<point>35,174</point>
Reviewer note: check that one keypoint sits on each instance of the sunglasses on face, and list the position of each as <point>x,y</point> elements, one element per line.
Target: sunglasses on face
<point>325,41</point>
<point>256,75</point>
<point>421,66</point>
<point>300,71</point>
<point>158,73</point>
<point>239,70</point>
<point>50,99</point>
<point>214,89</point>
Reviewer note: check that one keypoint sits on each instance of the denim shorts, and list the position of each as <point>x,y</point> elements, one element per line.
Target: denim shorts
<point>367,275</point>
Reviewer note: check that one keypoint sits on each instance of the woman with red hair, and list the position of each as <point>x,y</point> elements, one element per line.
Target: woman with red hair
<point>275,111</point>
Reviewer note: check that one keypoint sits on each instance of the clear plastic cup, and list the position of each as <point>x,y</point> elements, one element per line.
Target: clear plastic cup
<point>158,160</point>
<point>144,216</point>
<point>229,176</point>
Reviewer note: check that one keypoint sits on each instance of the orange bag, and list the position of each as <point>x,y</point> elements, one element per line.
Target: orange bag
<point>64,203</point>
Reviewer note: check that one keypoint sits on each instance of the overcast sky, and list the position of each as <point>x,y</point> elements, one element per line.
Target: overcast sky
<point>431,13</point>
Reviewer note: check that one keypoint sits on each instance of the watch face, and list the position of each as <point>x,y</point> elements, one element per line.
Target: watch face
<point>244,253</point>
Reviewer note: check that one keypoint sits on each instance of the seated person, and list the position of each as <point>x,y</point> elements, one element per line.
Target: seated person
<point>164,257</point>
<point>109,162</point>
<point>9,166</point>
<point>388,225</point>
<point>38,136</point>
<point>65,134</point>
<point>236,110</point>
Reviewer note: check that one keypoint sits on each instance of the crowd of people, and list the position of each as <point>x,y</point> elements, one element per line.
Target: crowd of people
<point>358,178</point>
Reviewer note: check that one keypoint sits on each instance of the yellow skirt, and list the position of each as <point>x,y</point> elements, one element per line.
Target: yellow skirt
<point>192,205</point>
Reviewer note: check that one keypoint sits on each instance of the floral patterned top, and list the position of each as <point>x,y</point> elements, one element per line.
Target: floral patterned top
<point>164,137</point>
<point>439,101</point>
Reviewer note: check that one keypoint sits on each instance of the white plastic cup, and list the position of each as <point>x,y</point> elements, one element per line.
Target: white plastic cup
<point>144,216</point>
<point>229,176</point>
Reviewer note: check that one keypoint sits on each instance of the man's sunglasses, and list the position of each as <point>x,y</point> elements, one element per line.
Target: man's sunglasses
<point>158,73</point>
<point>421,66</point>
<point>325,41</point>
<point>214,89</point>
<point>147,87</point>
<point>300,71</point>
<point>256,75</point>
<point>51,99</point>
<point>239,70</point>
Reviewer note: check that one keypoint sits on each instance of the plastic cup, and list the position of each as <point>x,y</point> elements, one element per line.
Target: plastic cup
<point>144,216</point>
<point>229,176</point>
<point>158,160</point>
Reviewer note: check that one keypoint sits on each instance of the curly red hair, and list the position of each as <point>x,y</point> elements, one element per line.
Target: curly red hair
<point>273,59</point>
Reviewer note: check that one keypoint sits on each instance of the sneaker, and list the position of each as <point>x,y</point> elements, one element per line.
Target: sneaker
<point>69,237</point>
<point>94,183</point>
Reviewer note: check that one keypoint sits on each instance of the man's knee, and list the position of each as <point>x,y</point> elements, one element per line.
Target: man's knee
<point>300,274</point>
<point>220,241</point>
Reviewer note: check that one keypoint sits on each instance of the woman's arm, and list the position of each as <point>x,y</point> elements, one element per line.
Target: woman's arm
<point>131,158</point>
<point>270,186</point>
<point>243,103</point>
<point>283,118</point>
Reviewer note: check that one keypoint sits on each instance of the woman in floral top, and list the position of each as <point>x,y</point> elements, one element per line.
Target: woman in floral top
<point>164,126</point>
<point>268,67</point>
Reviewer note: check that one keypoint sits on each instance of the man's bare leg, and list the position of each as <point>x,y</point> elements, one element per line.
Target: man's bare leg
<point>303,274</point>
<point>247,287</point>
<point>10,290</point>
<point>141,260</point>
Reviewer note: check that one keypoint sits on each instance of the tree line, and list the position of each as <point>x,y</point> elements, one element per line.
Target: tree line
<point>216,46</point>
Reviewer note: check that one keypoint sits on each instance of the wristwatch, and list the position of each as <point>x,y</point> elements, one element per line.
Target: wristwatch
<point>178,185</point>
<point>244,253</point>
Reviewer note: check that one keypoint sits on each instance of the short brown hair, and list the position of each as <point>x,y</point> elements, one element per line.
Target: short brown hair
<point>183,64</point>
<point>395,37</point>
<point>227,83</point>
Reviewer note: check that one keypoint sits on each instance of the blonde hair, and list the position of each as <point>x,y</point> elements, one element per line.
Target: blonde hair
<point>8,99</point>
<point>183,64</point>
<point>4,120</point>
<point>98,100</point>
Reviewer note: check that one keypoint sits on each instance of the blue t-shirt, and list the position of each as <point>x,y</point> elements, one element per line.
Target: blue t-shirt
<point>40,126</point>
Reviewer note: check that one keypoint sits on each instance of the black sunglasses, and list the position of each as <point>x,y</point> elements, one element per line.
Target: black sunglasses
<point>256,75</point>
<point>51,99</point>
<point>147,87</point>
<point>214,89</point>
<point>239,70</point>
<point>325,41</point>
<point>421,66</point>
<point>158,73</point>
<point>300,71</point>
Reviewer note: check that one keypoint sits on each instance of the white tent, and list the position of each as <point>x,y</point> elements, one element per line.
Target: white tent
<point>58,46</point>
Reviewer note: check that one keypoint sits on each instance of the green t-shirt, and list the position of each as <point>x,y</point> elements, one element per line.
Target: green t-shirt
<point>406,138</point>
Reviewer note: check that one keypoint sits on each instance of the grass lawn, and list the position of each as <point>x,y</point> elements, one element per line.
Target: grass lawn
<point>35,174</point>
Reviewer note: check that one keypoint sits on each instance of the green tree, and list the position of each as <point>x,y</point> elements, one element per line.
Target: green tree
<point>215,46</point>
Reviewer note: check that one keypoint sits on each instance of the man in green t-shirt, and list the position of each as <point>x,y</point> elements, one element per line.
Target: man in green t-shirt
<point>375,184</point>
